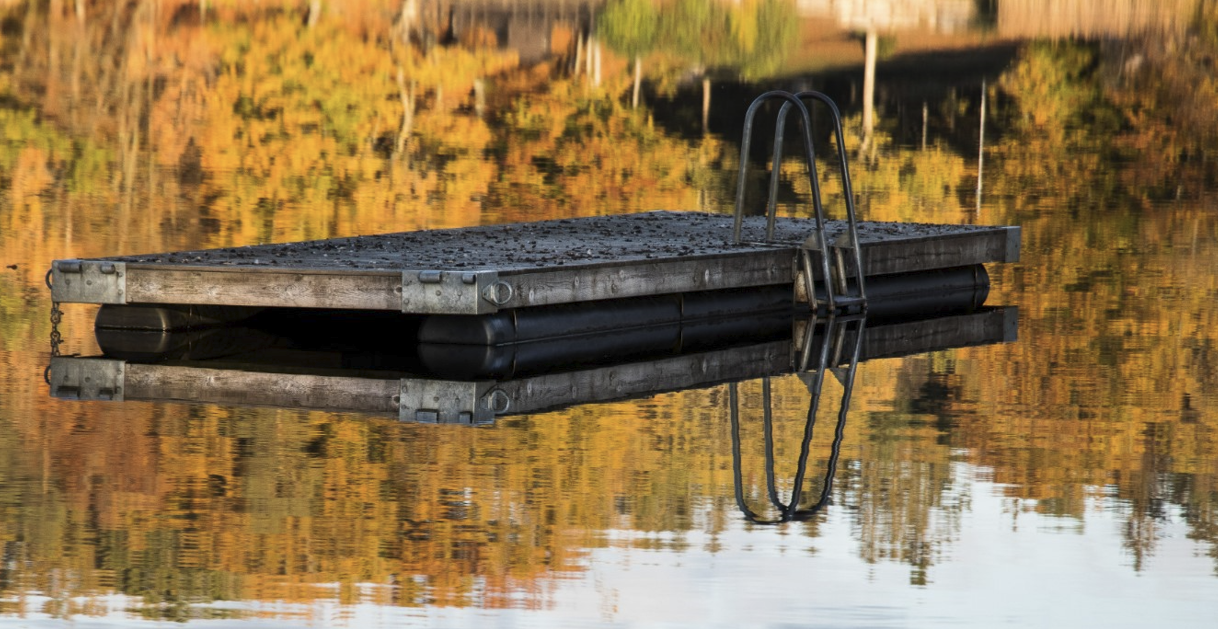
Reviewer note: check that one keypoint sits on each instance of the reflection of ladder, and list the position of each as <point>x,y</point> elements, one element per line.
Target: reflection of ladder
<point>837,295</point>
<point>830,357</point>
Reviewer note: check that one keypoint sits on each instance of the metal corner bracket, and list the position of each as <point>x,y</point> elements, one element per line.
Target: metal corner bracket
<point>454,292</point>
<point>88,281</point>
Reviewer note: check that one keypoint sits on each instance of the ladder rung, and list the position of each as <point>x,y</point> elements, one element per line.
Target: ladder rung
<point>845,301</point>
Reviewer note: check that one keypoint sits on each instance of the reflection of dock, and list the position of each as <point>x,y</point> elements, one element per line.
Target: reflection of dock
<point>482,270</point>
<point>238,366</point>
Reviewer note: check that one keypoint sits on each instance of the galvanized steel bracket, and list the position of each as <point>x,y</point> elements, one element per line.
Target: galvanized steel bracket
<point>450,402</point>
<point>453,292</point>
<point>87,378</point>
<point>88,281</point>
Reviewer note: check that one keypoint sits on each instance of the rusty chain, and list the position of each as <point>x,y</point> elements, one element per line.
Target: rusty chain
<point>56,317</point>
<point>56,337</point>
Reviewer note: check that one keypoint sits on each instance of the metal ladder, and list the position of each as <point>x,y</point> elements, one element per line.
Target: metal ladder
<point>830,357</point>
<point>837,293</point>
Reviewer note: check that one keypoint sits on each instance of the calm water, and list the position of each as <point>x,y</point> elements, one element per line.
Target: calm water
<point>1067,479</point>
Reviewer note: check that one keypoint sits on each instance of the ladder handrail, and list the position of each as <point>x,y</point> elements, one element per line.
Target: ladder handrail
<point>810,155</point>
<point>746,141</point>
<point>847,186</point>
<point>843,164</point>
<point>819,238</point>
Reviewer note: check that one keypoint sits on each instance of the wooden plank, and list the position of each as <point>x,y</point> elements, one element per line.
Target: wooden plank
<point>641,278</point>
<point>940,251</point>
<point>245,286</point>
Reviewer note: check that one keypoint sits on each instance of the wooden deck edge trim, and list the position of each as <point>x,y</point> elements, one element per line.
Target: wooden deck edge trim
<point>664,276</point>
<point>941,252</point>
<point>271,288</point>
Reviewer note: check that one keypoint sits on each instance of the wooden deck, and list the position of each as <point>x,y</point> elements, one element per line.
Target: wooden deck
<point>229,372</point>
<point>481,270</point>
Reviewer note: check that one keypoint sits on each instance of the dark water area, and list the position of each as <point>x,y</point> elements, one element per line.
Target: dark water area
<point>1068,477</point>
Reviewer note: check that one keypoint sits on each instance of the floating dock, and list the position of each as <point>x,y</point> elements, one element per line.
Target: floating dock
<point>489,269</point>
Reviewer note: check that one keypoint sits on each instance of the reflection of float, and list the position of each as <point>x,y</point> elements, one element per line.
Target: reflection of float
<point>365,371</point>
